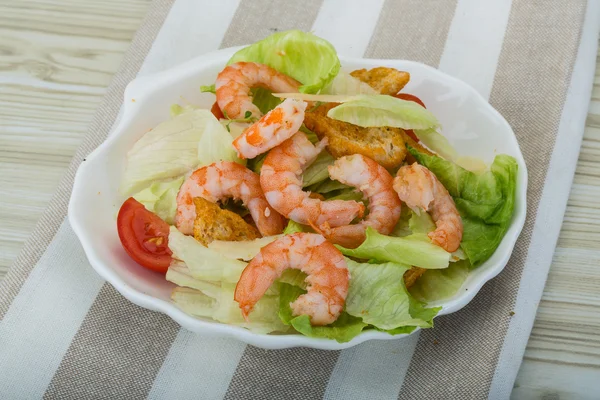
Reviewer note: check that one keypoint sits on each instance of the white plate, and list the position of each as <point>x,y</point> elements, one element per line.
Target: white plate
<point>468,121</point>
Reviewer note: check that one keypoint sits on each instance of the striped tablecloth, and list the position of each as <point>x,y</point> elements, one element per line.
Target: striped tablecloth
<point>65,333</point>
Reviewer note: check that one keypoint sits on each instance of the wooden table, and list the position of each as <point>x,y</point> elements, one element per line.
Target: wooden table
<point>57,58</point>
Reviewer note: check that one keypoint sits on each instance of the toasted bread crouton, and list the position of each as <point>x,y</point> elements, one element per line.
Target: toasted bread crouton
<point>384,80</point>
<point>411,276</point>
<point>214,223</point>
<point>382,144</point>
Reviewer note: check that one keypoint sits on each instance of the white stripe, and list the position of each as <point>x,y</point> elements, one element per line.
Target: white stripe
<point>45,316</point>
<point>197,368</point>
<point>193,27</point>
<point>551,208</point>
<point>475,41</point>
<point>348,24</point>
<point>371,370</point>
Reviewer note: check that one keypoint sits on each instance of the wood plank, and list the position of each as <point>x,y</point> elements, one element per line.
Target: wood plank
<point>58,57</point>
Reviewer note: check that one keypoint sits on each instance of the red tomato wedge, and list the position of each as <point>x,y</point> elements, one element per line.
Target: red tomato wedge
<point>217,111</point>
<point>144,236</point>
<point>410,97</point>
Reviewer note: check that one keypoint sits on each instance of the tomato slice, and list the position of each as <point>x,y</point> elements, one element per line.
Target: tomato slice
<point>410,97</point>
<point>216,110</point>
<point>144,236</point>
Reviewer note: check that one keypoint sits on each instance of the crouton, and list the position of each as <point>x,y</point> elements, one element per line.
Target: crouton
<point>411,276</point>
<point>384,80</point>
<point>214,223</point>
<point>382,144</point>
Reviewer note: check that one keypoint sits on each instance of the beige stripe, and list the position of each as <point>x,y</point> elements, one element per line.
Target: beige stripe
<point>412,30</point>
<point>117,351</point>
<point>530,92</point>
<point>255,20</point>
<point>47,226</point>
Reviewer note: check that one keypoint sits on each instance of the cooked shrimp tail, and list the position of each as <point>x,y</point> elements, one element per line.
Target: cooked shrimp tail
<point>376,183</point>
<point>328,276</point>
<point>419,188</point>
<point>281,181</point>
<point>233,86</point>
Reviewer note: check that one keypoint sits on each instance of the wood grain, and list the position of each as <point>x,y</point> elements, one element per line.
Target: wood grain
<point>57,58</point>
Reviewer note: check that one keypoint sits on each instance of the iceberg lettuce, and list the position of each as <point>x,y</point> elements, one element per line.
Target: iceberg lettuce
<point>382,110</point>
<point>305,57</point>
<point>173,148</point>
<point>377,295</point>
<point>415,249</point>
<point>160,198</point>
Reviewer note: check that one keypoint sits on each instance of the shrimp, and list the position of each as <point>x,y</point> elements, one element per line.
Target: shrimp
<point>272,129</point>
<point>281,181</point>
<point>419,188</point>
<point>328,276</point>
<point>376,184</point>
<point>235,81</point>
<point>222,180</point>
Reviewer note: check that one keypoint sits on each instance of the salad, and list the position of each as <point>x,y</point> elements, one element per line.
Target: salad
<point>309,199</point>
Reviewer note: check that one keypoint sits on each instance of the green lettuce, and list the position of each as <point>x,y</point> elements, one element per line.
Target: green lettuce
<point>326,186</point>
<point>204,263</point>
<point>344,329</point>
<point>440,144</point>
<point>415,249</point>
<point>168,151</point>
<point>485,201</point>
<point>317,171</point>
<point>160,198</point>
<point>216,144</point>
<point>305,57</point>
<point>440,284</point>
<point>263,99</point>
<point>382,110</point>
<point>377,295</point>
<point>241,250</point>
<point>263,319</point>
<point>294,227</point>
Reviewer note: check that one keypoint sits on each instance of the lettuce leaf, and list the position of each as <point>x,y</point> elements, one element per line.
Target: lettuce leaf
<point>241,250</point>
<point>326,186</point>
<point>317,171</point>
<point>440,144</point>
<point>440,284</point>
<point>168,151</point>
<point>223,308</point>
<point>305,57</point>
<point>382,110</point>
<point>294,227</point>
<point>346,84</point>
<point>160,198</point>
<point>377,295</point>
<point>204,263</point>
<point>415,249</point>
<point>216,144</point>
<point>344,329</point>
<point>264,100</point>
<point>485,201</point>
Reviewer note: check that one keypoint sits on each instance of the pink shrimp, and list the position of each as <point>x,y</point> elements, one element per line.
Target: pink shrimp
<point>419,188</point>
<point>272,129</point>
<point>328,276</point>
<point>281,181</point>
<point>376,184</point>
<point>222,180</point>
<point>235,81</point>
